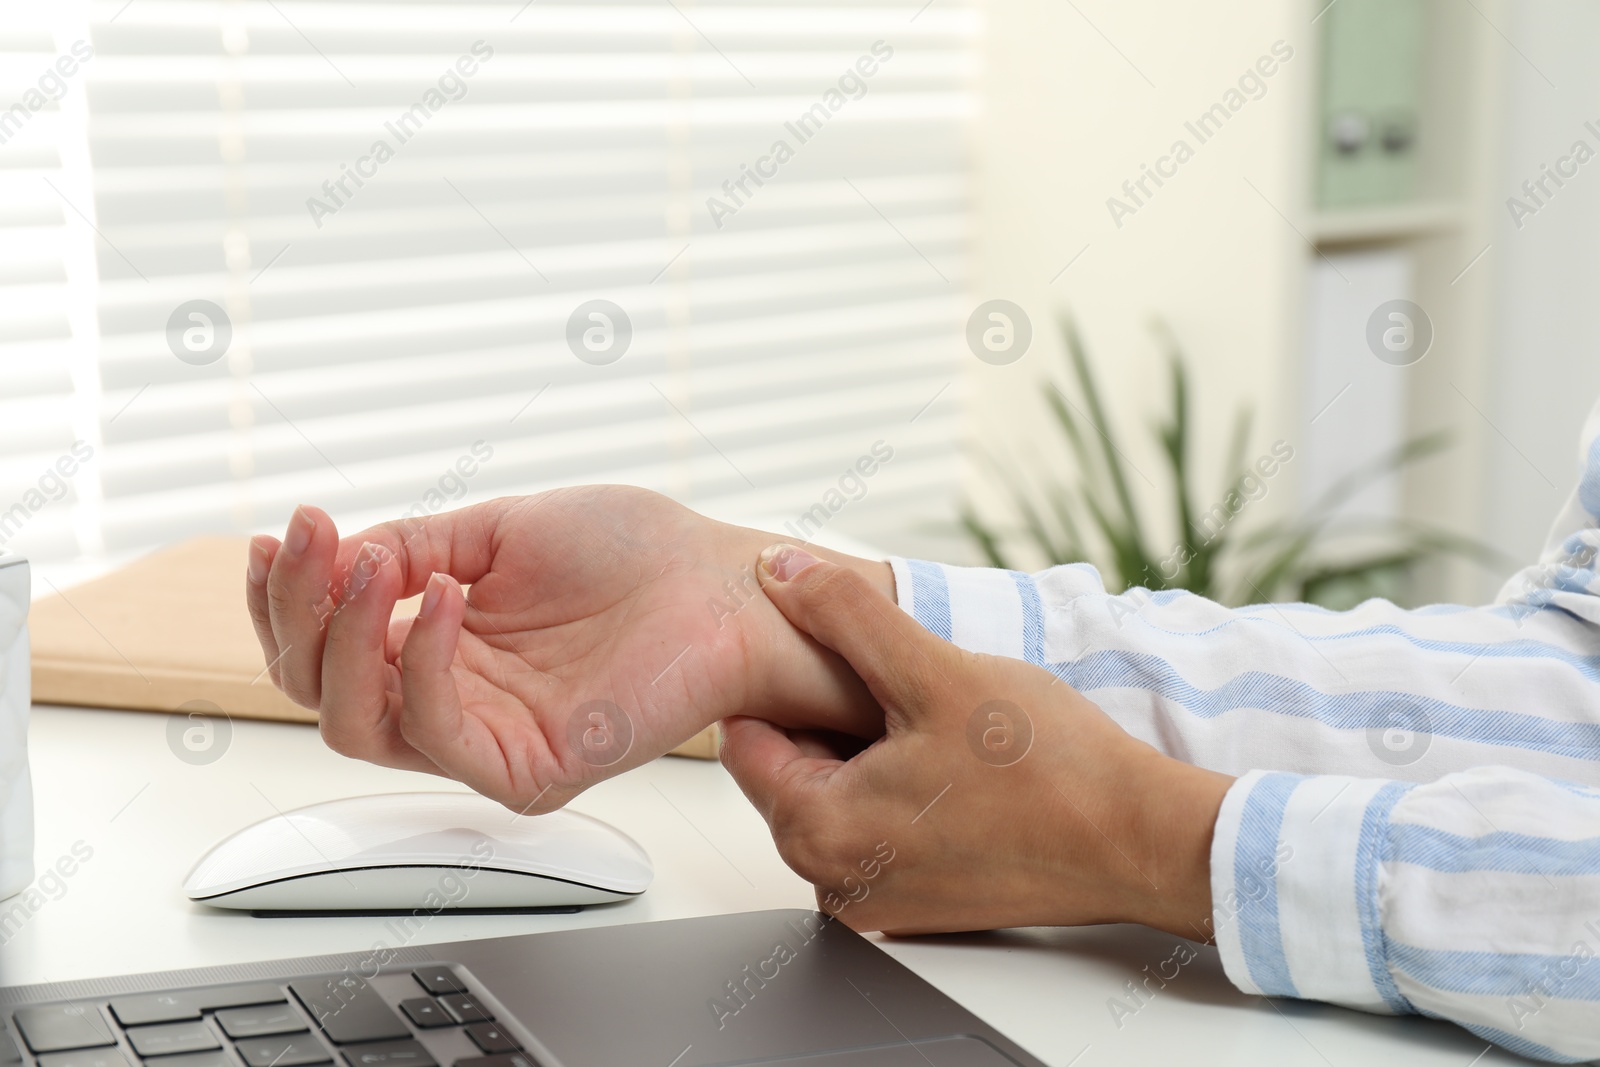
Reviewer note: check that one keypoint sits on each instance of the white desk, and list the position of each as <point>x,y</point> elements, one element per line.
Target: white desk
<point>109,780</point>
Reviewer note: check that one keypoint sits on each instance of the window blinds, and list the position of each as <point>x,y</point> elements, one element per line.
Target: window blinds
<point>49,426</point>
<point>460,250</point>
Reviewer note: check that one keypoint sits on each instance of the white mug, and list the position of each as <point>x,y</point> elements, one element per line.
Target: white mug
<point>16,787</point>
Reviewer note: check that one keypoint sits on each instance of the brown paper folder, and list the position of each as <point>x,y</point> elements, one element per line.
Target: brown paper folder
<point>169,629</point>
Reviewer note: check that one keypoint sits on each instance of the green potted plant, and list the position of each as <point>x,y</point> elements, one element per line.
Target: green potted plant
<point>1090,514</point>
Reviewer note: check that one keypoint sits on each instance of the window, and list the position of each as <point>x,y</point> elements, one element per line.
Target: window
<point>260,253</point>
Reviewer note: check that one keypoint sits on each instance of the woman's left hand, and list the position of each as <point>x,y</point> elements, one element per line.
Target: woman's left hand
<point>998,797</point>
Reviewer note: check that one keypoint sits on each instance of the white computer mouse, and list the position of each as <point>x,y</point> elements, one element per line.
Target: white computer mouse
<point>405,852</point>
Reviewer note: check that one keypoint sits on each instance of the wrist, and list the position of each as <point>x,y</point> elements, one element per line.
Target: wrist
<point>790,678</point>
<point>1169,832</point>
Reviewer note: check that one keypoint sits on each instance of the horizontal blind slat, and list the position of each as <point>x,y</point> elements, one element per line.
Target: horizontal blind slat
<point>374,345</point>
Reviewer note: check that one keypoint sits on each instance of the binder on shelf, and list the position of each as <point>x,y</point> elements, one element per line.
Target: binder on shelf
<point>1372,54</point>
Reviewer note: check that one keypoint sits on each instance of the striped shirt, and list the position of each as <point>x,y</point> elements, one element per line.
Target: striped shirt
<point>1415,827</point>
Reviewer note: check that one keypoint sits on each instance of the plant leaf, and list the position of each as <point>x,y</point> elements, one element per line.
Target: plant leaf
<point>1114,459</point>
<point>1032,522</point>
<point>1279,554</point>
<point>988,541</point>
<point>1403,455</point>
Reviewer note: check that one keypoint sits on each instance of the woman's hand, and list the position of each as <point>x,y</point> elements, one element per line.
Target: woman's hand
<point>998,796</point>
<point>603,627</point>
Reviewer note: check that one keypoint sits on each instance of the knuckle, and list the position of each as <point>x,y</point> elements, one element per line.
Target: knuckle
<point>302,693</point>
<point>411,727</point>
<point>528,800</point>
<point>258,603</point>
<point>817,852</point>
<point>418,730</point>
<point>828,901</point>
<point>801,843</point>
<point>395,534</point>
<point>398,538</point>
<point>339,640</point>
<point>337,737</point>
<point>279,603</point>
<point>835,586</point>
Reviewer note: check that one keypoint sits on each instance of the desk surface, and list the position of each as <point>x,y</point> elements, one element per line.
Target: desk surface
<point>110,781</point>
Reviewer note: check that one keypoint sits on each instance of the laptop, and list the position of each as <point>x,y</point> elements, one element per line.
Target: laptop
<point>776,988</point>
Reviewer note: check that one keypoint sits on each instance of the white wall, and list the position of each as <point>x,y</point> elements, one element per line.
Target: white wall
<point>1068,119</point>
<point>1546,367</point>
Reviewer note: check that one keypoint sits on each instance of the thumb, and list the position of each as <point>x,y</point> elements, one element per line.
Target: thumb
<point>903,664</point>
<point>767,762</point>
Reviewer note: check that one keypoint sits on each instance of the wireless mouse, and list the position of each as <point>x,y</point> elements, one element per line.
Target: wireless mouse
<point>401,853</point>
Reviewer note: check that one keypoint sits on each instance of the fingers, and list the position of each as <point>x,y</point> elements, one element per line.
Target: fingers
<point>298,604</point>
<point>458,543</point>
<point>902,664</point>
<point>810,805</point>
<point>757,754</point>
<point>777,775</point>
<point>355,665</point>
<point>827,744</point>
<point>258,566</point>
<point>311,577</point>
<point>431,719</point>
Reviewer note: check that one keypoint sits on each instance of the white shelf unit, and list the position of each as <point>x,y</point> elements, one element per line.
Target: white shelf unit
<point>1447,233</point>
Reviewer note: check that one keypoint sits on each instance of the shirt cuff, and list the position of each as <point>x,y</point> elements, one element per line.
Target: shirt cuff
<point>1295,869</point>
<point>985,609</point>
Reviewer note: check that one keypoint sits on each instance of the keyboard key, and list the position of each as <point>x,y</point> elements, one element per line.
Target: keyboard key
<point>9,1053</point>
<point>389,1054</point>
<point>261,1021</point>
<point>504,1059</point>
<point>88,1057</point>
<point>64,1026</point>
<point>238,996</point>
<point>170,1038</point>
<point>426,1012</point>
<point>155,1008</point>
<point>438,980</point>
<point>289,1050</point>
<point>464,1008</point>
<point>197,1059</point>
<point>349,1010</point>
<point>187,1004</point>
<point>490,1038</point>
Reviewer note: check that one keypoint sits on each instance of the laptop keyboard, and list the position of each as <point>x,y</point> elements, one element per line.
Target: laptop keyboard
<point>426,1017</point>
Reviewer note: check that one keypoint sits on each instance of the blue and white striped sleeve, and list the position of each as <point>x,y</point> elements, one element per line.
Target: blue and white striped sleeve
<point>1377,691</point>
<point>1416,845</point>
<point>1475,898</point>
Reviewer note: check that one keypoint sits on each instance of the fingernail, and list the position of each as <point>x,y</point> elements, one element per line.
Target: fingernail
<point>258,561</point>
<point>431,595</point>
<point>783,562</point>
<point>298,537</point>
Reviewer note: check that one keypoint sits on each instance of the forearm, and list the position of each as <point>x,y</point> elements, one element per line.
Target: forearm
<point>1379,688</point>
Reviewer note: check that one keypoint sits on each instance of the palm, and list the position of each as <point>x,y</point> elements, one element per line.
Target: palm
<point>592,595</point>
